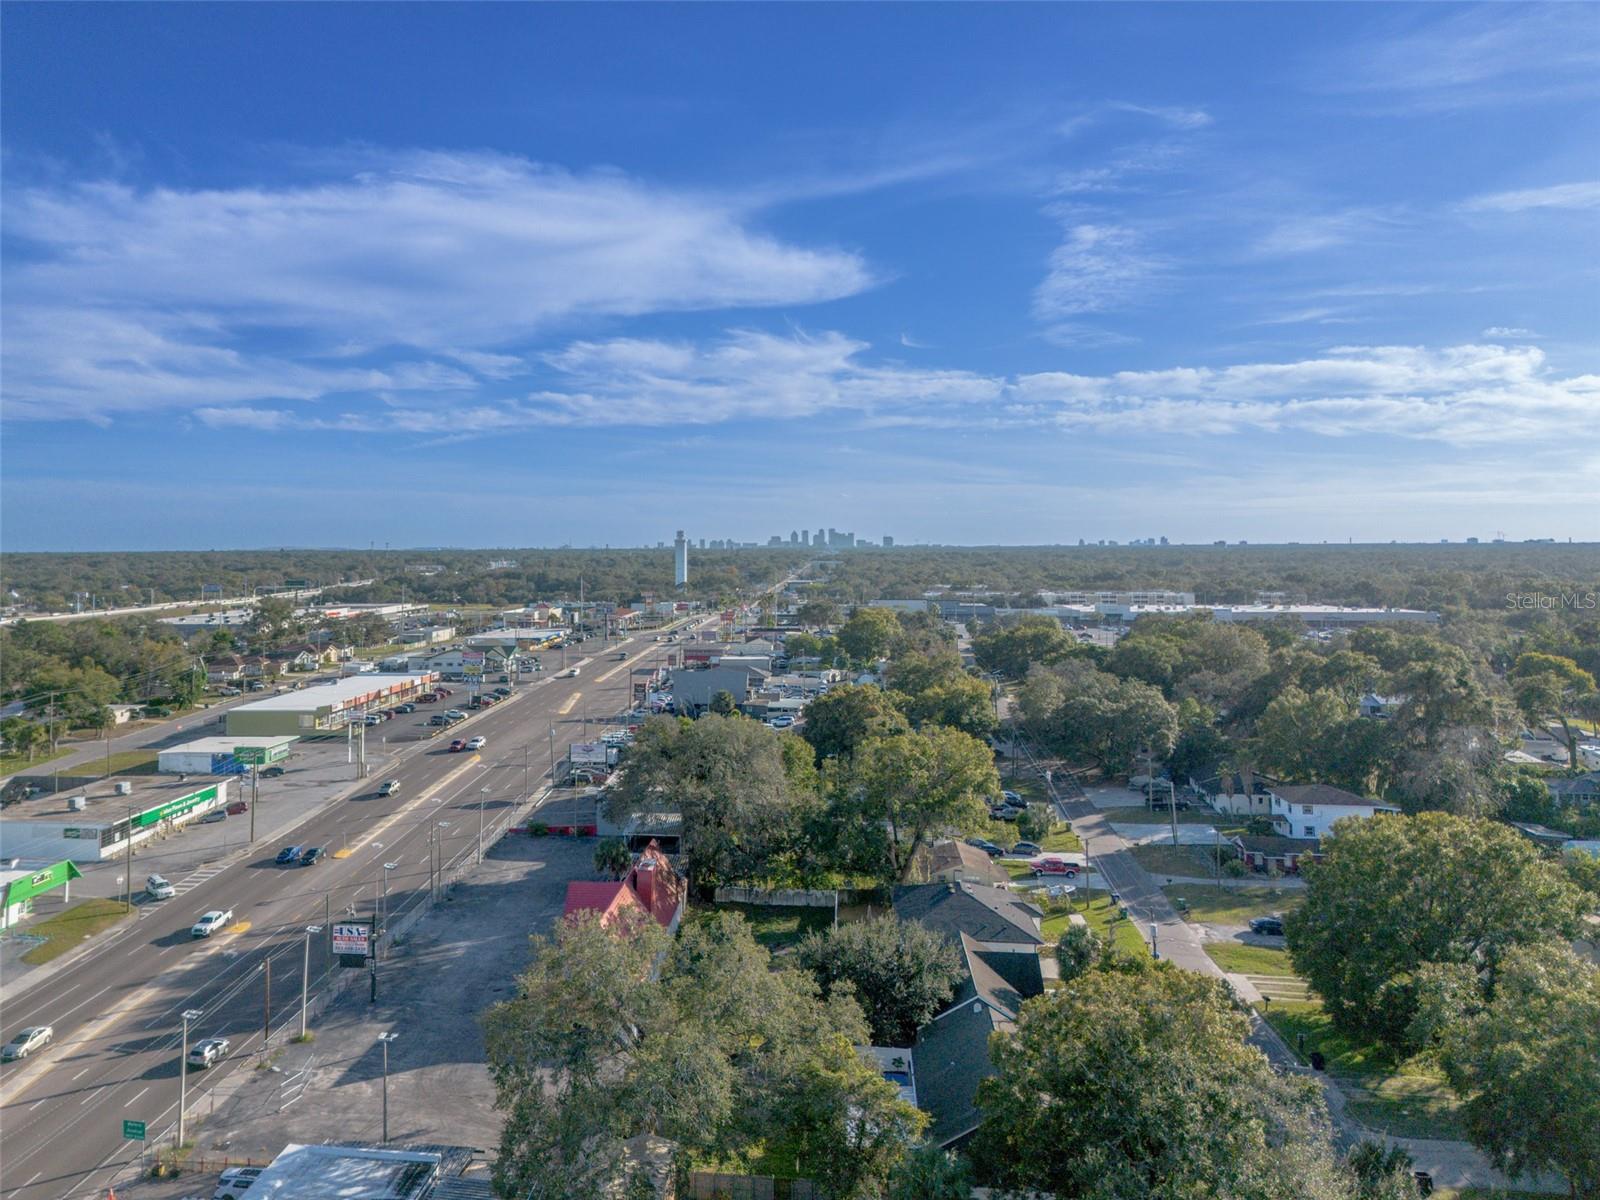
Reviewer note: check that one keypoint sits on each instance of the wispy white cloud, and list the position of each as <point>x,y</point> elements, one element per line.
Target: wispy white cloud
<point>1097,268</point>
<point>128,297</point>
<point>1583,195</point>
<point>1177,117</point>
<point>1508,331</point>
<point>911,343</point>
<point>1308,232</point>
<point>1475,55</point>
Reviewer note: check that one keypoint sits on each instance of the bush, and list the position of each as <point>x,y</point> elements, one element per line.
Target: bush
<point>538,829</point>
<point>1235,869</point>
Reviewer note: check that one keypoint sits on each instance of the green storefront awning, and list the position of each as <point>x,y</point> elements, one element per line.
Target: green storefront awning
<point>44,881</point>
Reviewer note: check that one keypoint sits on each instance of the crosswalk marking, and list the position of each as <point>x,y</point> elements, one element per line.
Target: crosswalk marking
<point>187,884</point>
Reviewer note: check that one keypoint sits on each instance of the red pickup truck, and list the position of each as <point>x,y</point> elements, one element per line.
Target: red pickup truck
<point>1051,864</point>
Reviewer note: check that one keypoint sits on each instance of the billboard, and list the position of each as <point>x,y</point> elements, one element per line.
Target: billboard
<point>352,939</point>
<point>472,662</point>
<point>174,808</point>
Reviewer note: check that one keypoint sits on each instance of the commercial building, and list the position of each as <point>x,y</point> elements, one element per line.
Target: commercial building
<point>97,822</point>
<point>354,1171</point>
<point>223,755</point>
<point>20,886</point>
<point>325,708</point>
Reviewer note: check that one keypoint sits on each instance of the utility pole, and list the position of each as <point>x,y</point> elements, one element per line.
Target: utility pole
<point>305,978</point>
<point>266,1008</point>
<point>127,902</point>
<point>255,794</point>
<point>189,1014</point>
<point>525,788</point>
<point>483,794</point>
<point>385,1039</point>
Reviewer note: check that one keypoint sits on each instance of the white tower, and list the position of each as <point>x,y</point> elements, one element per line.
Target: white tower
<point>680,560</point>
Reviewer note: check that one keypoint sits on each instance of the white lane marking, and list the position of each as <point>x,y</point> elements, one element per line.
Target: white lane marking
<point>81,1074</point>
<point>140,1092</point>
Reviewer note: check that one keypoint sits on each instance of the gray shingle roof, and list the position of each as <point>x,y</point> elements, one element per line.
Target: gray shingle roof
<point>984,913</point>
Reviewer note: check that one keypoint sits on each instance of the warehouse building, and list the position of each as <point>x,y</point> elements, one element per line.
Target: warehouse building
<point>97,822</point>
<point>223,755</point>
<point>327,707</point>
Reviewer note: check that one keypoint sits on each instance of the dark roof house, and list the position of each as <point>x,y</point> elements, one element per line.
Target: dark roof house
<point>996,919</point>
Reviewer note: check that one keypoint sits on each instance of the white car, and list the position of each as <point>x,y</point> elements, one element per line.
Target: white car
<point>28,1040</point>
<point>211,922</point>
<point>158,888</point>
<point>477,743</point>
<point>210,1050</point>
<point>781,722</point>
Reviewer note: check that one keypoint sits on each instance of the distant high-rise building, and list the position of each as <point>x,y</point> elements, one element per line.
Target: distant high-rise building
<point>680,560</point>
<point>888,542</point>
<point>833,537</point>
<point>794,537</point>
<point>821,538</point>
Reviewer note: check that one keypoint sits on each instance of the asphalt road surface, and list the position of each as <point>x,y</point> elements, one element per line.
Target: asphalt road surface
<point>117,1010</point>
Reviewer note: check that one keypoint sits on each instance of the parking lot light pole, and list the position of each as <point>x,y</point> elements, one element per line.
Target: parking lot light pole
<point>305,978</point>
<point>385,1039</point>
<point>189,1014</point>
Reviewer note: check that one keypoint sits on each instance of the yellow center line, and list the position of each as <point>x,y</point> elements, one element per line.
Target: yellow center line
<point>371,835</point>
<point>567,707</point>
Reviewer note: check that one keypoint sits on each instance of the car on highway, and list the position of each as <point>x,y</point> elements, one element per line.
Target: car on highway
<point>157,888</point>
<point>477,743</point>
<point>208,1051</point>
<point>272,773</point>
<point>311,856</point>
<point>211,922</point>
<point>34,1037</point>
<point>287,855</point>
<point>570,673</point>
<point>235,1182</point>
<point>215,815</point>
<point>1267,926</point>
<point>458,745</point>
<point>389,787</point>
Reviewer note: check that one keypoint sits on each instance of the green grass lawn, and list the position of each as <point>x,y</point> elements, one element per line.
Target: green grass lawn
<point>125,762</point>
<point>1163,858</point>
<point>1406,1098</point>
<point>10,764</point>
<point>68,928</point>
<point>1101,914</point>
<point>1234,906</point>
<point>1249,960</point>
<point>775,927</point>
<point>1063,839</point>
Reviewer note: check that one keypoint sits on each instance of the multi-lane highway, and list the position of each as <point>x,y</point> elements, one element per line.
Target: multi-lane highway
<point>117,1011</point>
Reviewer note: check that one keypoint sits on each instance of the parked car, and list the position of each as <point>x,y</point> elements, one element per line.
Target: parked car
<point>406,708</point>
<point>34,1037</point>
<point>1014,797</point>
<point>1027,849</point>
<point>1004,814</point>
<point>455,714</point>
<point>1267,926</point>
<point>208,1051</point>
<point>229,691</point>
<point>428,698</point>
<point>986,846</point>
<point>210,922</point>
<point>235,1182</point>
<point>215,815</point>
<point>1052,864</point>
<point>502,691</point>
<point>255,685</point>
<point>781,721</point>
<point>458,745</point>
<point>389,787</point>
<point>272,772</point>
<point>157,888</point>
<point>311,856</point>
<point>477,743</point>
<point>439,719</point>
<point>288,854</point>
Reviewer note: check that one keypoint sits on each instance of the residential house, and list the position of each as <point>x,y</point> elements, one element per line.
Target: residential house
<point>951,861</point>
<point>652,888</point>
<point>999,921</point>
<point>1310,810</point>
<point>1240,793</point>
<point>950,1056</point>
<point>1581,792</point>
<point>1379,708</point>
<point>226,668</point>
<point>1285,855</point>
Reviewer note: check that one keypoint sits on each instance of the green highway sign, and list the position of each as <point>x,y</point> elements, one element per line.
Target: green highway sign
<point>251,756</point>
<point>133,1131</point>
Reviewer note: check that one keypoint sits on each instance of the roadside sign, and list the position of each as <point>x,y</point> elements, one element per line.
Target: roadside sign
<point>251,756</point>
<point>352,940</point>
<point>133,1131</point>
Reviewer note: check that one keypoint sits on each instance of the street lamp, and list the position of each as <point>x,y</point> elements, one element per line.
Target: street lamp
<point>385,1039</point>
<point>189,1014</point>
<point>483,795</point>
<point>1155,950</point>
<point>383,906</point>
<point>305,977</point>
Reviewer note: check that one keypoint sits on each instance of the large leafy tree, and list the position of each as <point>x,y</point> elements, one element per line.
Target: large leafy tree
<point>1136,1082</point>
<point>1010,650</point>
<point>726,777</point>
<point>1396,894</point>
<point>960,701</point>
<point>1110,721</point>
<point>869,634</point>
<point>1295,736</point>
<point>843,717</point>
<point>905,789</point>
<point>719,1055</point>
<point>818,613</point>
<point>1527,1064</point>
<point>901,972</point>
<point>1548,685</point>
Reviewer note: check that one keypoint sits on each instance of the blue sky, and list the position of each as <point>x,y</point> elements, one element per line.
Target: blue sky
<point>538,274</point>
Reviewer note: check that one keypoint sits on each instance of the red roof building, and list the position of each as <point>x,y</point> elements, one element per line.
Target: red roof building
<point>651,888</point>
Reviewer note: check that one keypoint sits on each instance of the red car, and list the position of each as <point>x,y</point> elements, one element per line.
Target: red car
<point>237,808</point>
<point>458,744</point>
